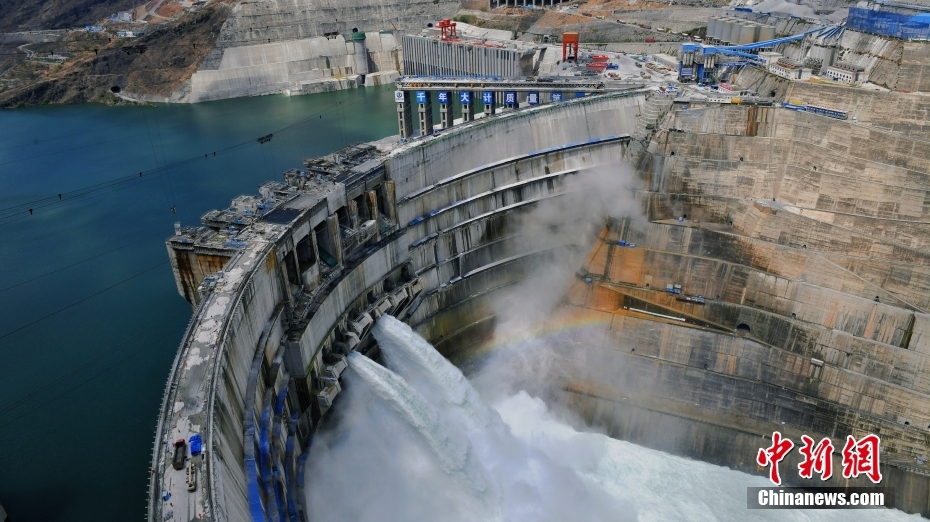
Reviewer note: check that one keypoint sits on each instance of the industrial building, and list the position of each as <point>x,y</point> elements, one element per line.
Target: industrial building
<point>790,69</point>
<point>846,73</point>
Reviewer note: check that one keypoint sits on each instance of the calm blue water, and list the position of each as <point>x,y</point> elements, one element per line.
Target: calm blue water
<point>85,350</point>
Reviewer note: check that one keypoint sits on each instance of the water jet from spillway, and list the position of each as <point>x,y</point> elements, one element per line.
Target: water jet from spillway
<point>385,456</point>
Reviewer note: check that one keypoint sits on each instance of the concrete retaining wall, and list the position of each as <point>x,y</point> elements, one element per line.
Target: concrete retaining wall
<point>302,65</point>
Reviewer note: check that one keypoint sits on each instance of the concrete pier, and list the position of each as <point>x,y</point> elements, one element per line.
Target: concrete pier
<point>490,103</point>
<point>446,114</point>
<point>404,113</point>
<point>425,112</point>
<point>468,105</point>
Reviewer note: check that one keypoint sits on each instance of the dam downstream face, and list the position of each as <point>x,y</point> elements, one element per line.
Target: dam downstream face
<point>418,441</point>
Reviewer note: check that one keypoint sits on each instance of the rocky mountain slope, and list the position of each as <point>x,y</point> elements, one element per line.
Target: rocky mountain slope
<point>157,64</point>
<point>26,15</point>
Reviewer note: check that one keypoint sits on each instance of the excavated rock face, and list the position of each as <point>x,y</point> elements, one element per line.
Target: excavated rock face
<point>156,65</point>
<point>264,22</point>
<point>780,283</point>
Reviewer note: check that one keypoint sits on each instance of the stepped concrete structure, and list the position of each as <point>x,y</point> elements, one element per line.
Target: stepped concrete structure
<point>300,66</point>
<point>307,46</point>
<point>776,277</point>
<point>804,237</point>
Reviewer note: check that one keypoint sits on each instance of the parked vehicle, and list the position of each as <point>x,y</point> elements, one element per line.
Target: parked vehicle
<point>180,454</point>
<point>191,476</point>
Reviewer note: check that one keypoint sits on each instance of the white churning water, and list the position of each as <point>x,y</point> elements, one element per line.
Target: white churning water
<point>416,442</point>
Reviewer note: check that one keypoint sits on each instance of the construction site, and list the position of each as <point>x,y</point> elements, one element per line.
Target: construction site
<point>767,272</point>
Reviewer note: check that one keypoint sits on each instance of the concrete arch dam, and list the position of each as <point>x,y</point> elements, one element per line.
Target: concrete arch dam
<point>716,315</point>
<point>285,284</point>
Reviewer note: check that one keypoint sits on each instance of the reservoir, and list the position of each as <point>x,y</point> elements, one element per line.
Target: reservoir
<point>91,318</point>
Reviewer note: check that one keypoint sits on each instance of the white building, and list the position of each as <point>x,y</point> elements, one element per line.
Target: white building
<point>790,69</point>
<point>769,57</point>
<point>846,73</point>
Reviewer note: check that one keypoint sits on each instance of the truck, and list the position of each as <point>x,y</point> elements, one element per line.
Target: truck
<point>180,454</point>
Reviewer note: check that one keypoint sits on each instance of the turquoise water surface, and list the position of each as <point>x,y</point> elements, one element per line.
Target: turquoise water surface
<point>90,317</point>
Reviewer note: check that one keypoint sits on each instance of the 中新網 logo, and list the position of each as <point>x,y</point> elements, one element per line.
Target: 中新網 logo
<point>860,457</point>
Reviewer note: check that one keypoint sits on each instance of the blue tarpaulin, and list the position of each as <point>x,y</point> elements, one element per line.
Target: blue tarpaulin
<point>196,444</point>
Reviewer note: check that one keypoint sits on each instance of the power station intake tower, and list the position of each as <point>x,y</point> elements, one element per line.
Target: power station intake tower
<point>361,54</point>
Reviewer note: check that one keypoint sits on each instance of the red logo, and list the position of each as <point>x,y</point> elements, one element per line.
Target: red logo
<point>773,455</point>
<point>862,458</point>
<point>819,459</point>
<point>859,457</point>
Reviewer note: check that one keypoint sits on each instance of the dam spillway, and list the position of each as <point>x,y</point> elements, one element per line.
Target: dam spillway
<point>288,284</point>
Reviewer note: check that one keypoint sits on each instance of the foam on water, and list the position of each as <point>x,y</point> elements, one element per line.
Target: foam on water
<point>411,442</point>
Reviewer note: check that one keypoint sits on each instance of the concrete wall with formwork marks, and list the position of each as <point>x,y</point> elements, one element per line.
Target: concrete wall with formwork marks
<point>807,239</point>
<point>299,65</point>
<point>271,46</point>
<point>279,20</point>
